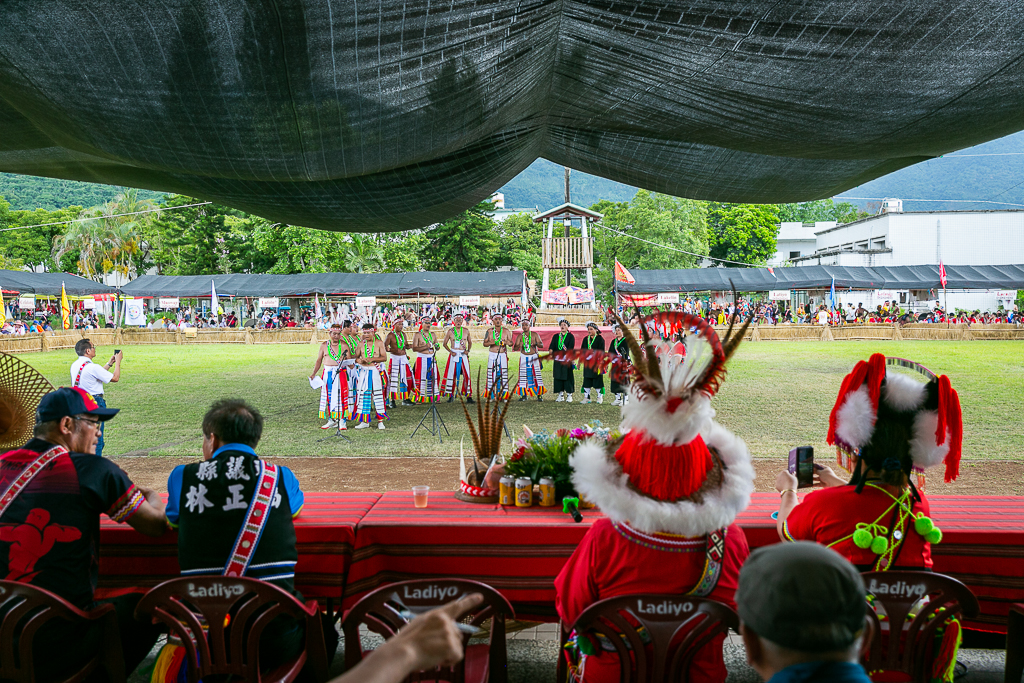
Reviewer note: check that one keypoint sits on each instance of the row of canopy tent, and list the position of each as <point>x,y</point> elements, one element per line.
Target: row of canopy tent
<point>505,283</point>
<point>818,277</point>
<point>49,284</point>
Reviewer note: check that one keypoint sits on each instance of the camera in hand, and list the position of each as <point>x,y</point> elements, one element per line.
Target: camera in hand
<point>801,463</point>
<point>117,351</point>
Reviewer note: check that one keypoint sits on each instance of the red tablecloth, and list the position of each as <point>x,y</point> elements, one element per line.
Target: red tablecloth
<point>377,539</point>
<point>325,534</point>
<point>518,551</point>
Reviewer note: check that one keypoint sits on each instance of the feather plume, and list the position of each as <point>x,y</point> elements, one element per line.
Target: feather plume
<point>487,432</point>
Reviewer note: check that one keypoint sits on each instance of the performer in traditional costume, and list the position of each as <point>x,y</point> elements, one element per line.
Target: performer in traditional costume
<point>671,489</point>
<point>401,384</point>
<point>593,379</point>
<point>458,342</point>
<point>334,392</point>
<point>350,337</point>
<point>564,379</point>
<point>885,424</point>
<point>497,339</point>
<point>369,380</point>
<point>530,381</point>
<point>427,378</point>
<point>619,380</point>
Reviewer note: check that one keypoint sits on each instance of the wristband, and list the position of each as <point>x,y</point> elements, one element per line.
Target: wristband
<point>785,491</point>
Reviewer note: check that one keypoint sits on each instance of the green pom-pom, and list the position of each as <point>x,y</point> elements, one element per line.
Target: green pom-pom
<point>934,536</point>
<point>923,525</point>
<point>879,545</point>
<point>862,538</point>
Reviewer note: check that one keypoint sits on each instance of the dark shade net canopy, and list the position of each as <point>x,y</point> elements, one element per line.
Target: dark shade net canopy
<point>49,284</point>
<point>506,283</point>
<point>818,277</point>
<point>399,113</point>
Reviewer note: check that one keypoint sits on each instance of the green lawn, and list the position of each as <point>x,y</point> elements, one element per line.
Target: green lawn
<point>777,395</point>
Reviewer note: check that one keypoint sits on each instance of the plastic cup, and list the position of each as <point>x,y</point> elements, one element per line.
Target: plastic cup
<point>419,496</point>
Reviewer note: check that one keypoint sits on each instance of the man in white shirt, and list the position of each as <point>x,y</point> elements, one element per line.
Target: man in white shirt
<point>91,376</point>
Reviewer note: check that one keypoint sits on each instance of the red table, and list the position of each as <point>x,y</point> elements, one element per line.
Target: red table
<point>517,551</point>
<point>325,535</point>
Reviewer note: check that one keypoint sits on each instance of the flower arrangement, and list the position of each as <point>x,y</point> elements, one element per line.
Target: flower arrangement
<point>541,454</point>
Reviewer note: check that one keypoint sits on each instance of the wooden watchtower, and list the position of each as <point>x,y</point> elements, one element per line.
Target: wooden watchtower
<point>568,246</point>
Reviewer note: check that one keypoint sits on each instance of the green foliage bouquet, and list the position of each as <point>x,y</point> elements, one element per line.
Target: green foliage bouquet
<point>539,455</point>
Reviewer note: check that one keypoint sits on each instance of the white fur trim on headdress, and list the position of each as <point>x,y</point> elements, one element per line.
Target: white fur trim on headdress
<point>650,413</point>
<point>923,450</point>
<point>599,478</point>
<point>855,422</point>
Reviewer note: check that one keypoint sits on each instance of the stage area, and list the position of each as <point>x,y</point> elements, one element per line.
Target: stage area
<point>776,396</point>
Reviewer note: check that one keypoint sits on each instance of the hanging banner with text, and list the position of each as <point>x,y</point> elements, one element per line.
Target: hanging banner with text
<point>269,302</point>
<point>89,303</point>
<point>580,296</point>
<point>778,295</point>
<point>366,301</point>
<point>169,302</point>
<point>1002,294</point>
<point>27,302</point>
<point>469,300</point>
<point>668,297</point>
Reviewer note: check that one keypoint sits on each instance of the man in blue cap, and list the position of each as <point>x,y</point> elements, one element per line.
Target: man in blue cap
<point>56,488</point>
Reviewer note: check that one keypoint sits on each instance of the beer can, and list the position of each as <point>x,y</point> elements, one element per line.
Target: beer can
<point>508,490</point>
<point>547,492</point>
<point>524,492</point>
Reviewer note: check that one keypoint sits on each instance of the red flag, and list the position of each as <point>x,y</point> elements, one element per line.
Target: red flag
<point>942,274</point>
<point>623,275</point>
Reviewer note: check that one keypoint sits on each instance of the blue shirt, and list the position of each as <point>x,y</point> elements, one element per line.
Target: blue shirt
<point>832,672</point>
<point>291,484</point>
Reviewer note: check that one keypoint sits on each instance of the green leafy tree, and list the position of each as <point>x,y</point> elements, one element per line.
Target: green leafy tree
<point>403,252</point>
<point>745,233</point>
<point>191,240</point>
<point>652,231</point>
<point>110,240</point>
<point>33,246</point>
<point>363,255</point>
<point>467,242</point>
<point>521,244</point>
<point>820,210</point>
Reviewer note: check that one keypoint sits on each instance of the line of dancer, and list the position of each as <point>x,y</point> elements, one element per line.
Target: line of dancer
<point>362,375</point>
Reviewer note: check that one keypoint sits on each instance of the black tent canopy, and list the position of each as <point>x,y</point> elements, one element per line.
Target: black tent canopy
<point>399,113</point>
<point>25,282</point>
<point>506,283</point>
<point>817,277</point>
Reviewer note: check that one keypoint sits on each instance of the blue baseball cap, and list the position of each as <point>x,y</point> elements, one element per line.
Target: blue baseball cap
<point>71,401</point>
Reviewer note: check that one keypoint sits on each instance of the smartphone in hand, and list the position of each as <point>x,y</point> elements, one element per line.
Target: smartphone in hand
<point>801,463</point>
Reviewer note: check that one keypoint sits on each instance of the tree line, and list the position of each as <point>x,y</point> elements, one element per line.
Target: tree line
<point>125,235</point>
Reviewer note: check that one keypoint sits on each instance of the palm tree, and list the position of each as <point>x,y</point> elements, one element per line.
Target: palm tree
<point>363,255</point>
<point>110,240</point>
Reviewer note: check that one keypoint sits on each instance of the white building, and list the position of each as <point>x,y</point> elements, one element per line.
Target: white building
<point>963,238</point>
<point>797,239</point>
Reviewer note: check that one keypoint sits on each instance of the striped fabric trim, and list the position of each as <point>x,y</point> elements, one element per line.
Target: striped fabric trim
<point>209,570</point>
<point>287,563</point>
<point>669,542</point>
<point>275,577</point>
<point>127,505</point>
<point>255,520</point>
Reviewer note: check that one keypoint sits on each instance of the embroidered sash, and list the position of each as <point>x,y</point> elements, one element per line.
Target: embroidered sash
<point>27,474</point>
<point>78,377</point>
<point>255,521</point>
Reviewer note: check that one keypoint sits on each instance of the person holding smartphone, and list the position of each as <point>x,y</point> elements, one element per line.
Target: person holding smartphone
<point>92,376</point>
<point>886,421</point>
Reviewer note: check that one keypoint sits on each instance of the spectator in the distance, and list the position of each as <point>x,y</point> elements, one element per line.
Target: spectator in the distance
<point>91,376</point>
<point>802,614</point>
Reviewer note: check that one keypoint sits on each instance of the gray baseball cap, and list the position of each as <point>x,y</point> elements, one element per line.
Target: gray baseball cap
<point>802,596</point>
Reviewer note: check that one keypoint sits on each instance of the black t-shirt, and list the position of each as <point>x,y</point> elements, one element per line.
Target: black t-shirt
<point>49,535</point>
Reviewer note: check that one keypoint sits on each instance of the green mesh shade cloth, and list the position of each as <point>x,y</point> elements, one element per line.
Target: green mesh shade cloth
<point>394,114</point>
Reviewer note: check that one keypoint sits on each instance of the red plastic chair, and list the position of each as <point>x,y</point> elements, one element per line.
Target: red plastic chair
<point>684,626</point>
<point>24,609</point>
<point>219,621</point>
<point>906,644</point>
<point>1014,643</point>
<point>381,612</point>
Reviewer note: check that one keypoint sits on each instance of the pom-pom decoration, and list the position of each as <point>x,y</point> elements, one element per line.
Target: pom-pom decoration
<point>862,538</point>
<point>923,525</point>
<point>879,545</point>
<point>934,536</point>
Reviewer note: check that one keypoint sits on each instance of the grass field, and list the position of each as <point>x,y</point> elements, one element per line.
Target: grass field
<point>777,395</point>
